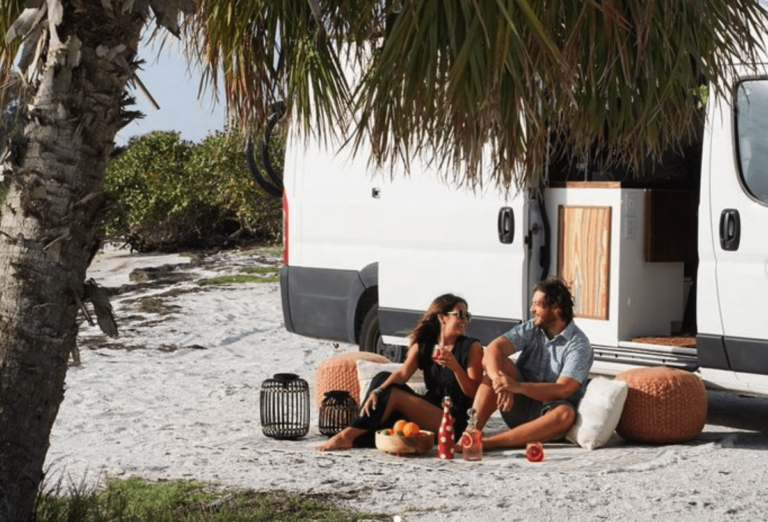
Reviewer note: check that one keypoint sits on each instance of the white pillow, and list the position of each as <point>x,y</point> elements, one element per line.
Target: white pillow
<point>599,413</point>
<point>367,370</point>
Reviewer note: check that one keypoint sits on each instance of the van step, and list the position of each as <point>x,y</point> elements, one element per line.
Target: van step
<point>636,354</point>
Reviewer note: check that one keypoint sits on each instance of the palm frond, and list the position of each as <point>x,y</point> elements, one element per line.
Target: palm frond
<point>10,10</point>
<point>618,80</point>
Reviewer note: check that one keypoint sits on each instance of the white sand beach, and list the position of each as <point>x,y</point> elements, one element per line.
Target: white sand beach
<point>176,396</point>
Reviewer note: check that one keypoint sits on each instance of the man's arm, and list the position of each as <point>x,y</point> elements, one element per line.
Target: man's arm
<point>546,391</point>
<point>495,359</point>
<point>499,349</point>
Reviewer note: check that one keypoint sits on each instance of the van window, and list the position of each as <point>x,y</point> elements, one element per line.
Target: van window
<point>752,139</point>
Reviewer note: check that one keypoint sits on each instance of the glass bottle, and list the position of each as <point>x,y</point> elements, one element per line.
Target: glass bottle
<point>472,439</point>
<point>445,435</point>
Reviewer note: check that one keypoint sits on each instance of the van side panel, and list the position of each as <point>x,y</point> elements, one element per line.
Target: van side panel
<point>443,238</point>
<point>399,323</point>
<point>331,219</point>
<point>317,301</point>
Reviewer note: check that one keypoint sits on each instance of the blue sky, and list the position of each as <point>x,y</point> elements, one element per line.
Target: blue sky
<point>174,87</point>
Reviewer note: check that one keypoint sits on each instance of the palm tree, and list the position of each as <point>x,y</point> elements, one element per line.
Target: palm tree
<point>617,80</point>
<point>447,77</point>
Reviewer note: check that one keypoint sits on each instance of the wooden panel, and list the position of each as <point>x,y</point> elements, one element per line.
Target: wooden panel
<point>586,184</point>
<point>584,257</point>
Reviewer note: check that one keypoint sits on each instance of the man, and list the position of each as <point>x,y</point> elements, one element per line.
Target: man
<point>538,396</point>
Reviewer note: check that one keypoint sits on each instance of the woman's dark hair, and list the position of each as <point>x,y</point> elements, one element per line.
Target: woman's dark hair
<point>428,327</point>
<point>556,295</point>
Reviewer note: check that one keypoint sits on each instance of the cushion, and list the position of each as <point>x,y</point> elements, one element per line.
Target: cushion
<point>664,406</point>
<point>339,372</point>
<point>599,413</point>
<point>367,370</point>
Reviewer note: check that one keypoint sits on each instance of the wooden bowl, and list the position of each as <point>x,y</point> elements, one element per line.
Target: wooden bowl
<point>402,445</point>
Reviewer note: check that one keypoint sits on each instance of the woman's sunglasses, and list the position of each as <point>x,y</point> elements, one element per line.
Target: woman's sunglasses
<point>462,315</point>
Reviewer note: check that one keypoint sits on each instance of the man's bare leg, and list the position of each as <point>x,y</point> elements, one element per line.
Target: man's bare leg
<point>485,403</point>
<point>550,426</point>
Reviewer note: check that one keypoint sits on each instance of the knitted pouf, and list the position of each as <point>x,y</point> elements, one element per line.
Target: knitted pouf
<point>663,406</point>
<point>339,372</point>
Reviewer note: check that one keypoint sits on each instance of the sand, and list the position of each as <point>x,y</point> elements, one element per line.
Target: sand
<point>176,396</point>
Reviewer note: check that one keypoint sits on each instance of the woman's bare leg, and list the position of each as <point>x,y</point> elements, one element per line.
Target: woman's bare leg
<point>342,440</point>
<point>413,407</point>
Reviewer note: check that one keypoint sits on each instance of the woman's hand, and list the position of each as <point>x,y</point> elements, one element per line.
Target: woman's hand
<point>369,404</point>
<point>447,360</point>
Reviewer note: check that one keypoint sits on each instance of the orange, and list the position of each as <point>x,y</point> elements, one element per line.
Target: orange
<point>465,440</point>
<point>411,429</point>
<point>399,425</point>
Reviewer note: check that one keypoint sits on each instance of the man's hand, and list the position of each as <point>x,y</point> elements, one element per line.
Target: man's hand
<point>504,387</point>
<point>501,382</point>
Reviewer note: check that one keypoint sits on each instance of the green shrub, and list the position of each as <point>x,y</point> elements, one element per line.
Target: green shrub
<point>174,194</point>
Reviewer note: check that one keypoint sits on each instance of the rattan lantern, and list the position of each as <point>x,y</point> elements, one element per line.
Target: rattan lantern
<point>337,411</point>
<point>284,406</point>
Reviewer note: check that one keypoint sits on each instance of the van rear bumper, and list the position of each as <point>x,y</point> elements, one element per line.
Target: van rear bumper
<point>317,301</point>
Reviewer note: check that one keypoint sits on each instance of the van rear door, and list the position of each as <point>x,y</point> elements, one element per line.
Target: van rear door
<point>733,332</point>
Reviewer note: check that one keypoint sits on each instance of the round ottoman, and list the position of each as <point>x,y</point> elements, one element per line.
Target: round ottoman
<point>339,372</point>
<point>663,406</point>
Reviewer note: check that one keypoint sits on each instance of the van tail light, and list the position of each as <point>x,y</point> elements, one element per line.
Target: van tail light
<point>285,229</point>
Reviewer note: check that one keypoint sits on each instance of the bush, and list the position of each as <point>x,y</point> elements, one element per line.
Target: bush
<point>173,194</point>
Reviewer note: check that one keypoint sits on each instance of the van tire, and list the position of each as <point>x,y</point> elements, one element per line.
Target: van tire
<point>370,338</point>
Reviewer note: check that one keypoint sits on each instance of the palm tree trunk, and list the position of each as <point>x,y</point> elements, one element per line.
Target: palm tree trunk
<point>48,232</point>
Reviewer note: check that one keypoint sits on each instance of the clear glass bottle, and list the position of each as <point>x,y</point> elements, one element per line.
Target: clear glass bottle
<point>472,439</point>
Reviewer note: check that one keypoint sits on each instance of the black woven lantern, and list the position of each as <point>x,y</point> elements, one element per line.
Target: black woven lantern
<point>337,411</point>
<point>284,406</point>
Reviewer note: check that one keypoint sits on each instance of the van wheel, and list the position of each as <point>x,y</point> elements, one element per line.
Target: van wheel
<point>370,338</point>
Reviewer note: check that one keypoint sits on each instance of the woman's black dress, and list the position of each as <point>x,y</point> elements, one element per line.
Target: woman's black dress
<point>440,382</point>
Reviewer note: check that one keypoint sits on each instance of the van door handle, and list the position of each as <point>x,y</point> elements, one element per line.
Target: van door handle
<point>730,229</point>
<point>506,225</point>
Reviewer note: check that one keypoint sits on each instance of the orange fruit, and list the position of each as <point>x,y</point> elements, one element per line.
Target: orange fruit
<point>399,425</point>
<point>465,440</point>
<point>411,429</point>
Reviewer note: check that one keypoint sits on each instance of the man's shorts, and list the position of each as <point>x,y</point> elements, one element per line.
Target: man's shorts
<point>526,409</point>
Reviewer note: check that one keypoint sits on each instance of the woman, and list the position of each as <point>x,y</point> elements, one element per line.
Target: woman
<point>456,371</point>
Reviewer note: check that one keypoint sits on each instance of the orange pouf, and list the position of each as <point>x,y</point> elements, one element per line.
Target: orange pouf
<point>339,372</point>
<point>663,406</point>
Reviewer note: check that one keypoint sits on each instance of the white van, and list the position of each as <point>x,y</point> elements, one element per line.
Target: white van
<point>672,271</point>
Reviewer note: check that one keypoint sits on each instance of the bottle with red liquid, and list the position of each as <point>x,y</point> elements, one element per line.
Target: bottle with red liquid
<point>445,435</point>
<point>472,439</point>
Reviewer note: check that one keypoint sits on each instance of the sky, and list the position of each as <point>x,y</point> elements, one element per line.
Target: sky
<point>167,77</point>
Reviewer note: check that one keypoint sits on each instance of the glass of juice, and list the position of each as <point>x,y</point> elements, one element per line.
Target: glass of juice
<point>436,353</point>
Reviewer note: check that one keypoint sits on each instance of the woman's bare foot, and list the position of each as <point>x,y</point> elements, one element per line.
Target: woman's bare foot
<point>342,440</point>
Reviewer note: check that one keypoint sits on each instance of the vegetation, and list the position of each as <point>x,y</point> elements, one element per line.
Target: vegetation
<point>136,500</point>
<point>173,194</point>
